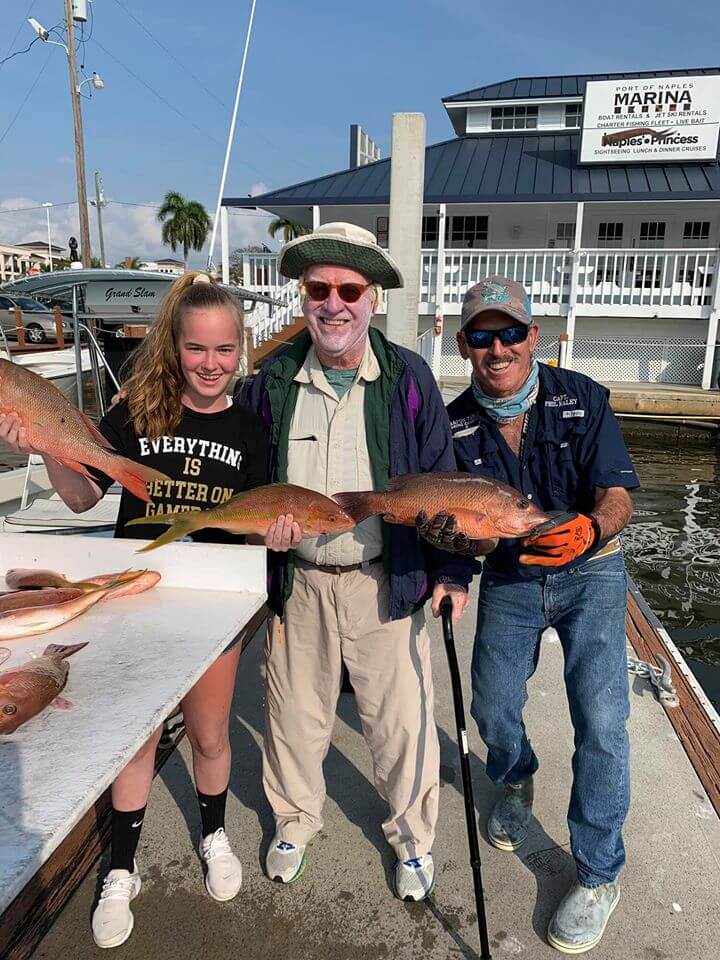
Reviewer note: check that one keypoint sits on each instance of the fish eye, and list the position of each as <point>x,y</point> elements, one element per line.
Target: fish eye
<point>523,504</point>
<point>9,709</point>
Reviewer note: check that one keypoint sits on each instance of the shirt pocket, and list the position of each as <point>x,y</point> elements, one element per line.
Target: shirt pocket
<point>477,454</point>
<point>560,459</point>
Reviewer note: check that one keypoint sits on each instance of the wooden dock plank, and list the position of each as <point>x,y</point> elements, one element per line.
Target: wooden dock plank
<point>692,721</point>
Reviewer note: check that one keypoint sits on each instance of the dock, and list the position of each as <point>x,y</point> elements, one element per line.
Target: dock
<point>343,908</point>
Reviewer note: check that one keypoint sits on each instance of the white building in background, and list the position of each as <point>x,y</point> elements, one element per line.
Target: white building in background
<point>175,268</point>
<point>19,259</point>
<point>619,250</point>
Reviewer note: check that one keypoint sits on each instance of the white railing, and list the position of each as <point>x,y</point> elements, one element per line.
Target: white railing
<point>681,281</point>
<point>268,318</point>
<point>425,346</point>
<point>632,282</point>
<point>545,274</point>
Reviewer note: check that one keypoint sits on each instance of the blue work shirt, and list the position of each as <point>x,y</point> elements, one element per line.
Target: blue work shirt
<point>572,444</point>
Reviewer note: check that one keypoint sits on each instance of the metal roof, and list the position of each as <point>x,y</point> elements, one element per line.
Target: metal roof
<point>504,167</point>
<point>522,88</point>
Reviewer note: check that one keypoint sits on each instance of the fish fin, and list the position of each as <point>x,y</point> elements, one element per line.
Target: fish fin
<point>122,580</point>
<point>166,518</point>
<point>180,525</point>
<point>76,466</point>
<point>133,476</point>
<point>360,504</point>
<point>60,651</point>
<point>60,703</point>
<point>96,435</point>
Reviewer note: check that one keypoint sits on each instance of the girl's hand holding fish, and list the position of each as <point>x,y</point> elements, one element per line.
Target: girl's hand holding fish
<point>13,433</point>
<point>284,534</point>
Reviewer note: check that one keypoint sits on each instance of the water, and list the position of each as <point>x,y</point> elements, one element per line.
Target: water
<point>672,545</point>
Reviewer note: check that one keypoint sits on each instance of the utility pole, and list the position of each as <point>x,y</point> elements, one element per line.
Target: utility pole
<point>99,202</point>
<point>79,143</point>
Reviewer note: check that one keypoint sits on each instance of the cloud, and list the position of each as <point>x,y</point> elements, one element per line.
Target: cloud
<point>129,230</point>
<point>257,188</point>
<point>64,159</point>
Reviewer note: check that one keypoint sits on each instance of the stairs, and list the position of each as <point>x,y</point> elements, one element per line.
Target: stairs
<point>274,325</point>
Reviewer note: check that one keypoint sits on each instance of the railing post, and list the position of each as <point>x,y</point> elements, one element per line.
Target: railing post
<point>19,328</point>
<point>572,299</point>
<point>224,245</point>
<point>712,327</point>
<point>439,292</point>
<point>247,280</point>
<point>59,331</point>
<point>562,350</point>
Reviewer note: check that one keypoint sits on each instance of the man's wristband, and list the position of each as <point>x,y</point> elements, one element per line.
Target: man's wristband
<point>596,529</point>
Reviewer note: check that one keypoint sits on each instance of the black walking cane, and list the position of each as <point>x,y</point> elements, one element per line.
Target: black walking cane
<point>446,613</point>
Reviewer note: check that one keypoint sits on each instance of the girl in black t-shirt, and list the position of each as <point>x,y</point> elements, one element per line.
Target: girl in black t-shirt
<point>176,416</point>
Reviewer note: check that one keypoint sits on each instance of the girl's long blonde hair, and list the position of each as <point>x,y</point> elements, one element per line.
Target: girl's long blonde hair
<point>156,383</point>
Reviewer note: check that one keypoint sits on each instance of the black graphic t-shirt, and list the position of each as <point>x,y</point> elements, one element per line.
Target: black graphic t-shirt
<point>210,458</point>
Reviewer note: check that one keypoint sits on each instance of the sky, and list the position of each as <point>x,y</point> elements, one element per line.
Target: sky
<point>170,68</point>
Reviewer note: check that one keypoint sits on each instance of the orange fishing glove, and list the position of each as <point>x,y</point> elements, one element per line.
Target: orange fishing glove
<point>565,541</point>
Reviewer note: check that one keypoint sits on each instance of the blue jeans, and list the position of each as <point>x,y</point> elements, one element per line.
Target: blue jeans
<point>586,605</point>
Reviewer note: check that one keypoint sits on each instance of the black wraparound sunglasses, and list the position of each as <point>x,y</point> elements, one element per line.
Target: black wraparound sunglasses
<point>508,336</point>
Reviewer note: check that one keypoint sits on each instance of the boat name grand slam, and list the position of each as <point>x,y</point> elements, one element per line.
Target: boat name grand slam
<point>133,293</point>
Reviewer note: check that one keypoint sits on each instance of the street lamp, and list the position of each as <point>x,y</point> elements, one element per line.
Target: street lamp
<point>47,211</point>
<point>69,49</point>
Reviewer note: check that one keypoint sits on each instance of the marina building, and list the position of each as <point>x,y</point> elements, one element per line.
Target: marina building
<point>600,193</point>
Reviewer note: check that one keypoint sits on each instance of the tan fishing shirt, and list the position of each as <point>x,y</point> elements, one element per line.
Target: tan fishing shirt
<point>327,451</point>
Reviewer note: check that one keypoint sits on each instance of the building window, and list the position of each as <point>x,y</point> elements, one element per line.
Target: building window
<point>381,231</point>
<point>696,231</point>
<point>513,118</point>
<point>429,236</point>
<point>610,234</point>
<point>469,232</point>
<point>573,114</point>
<point>565,235</point>
<point>652,233</point>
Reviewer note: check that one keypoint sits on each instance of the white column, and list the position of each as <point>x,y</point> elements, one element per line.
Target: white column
<point>439,290</point>
<point>224,245</point>
<point>315,217</point>
<point>572,305</point>
<point>2,266</point>
<point>407,176</point>
<point>712,328</point>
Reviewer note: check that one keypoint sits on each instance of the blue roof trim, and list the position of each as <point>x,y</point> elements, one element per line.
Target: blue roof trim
<point>522,88</point>
<point>507,167</point>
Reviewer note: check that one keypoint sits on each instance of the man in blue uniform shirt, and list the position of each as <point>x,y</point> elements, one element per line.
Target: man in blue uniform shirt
<point>551,434</point>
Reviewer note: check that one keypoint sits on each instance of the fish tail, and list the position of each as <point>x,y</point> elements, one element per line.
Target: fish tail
<point>361,504</point>
<point>59,651</point>
<point>180,525</point>
<point>133,476</point>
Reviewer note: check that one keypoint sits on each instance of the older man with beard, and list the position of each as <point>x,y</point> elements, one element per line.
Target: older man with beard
<point>347,410</point>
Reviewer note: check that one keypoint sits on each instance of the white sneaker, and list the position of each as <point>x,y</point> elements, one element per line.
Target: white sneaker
<point>223,878</point>
<point>285,861</point>
<point>414,878</point>
<point>112,920</point>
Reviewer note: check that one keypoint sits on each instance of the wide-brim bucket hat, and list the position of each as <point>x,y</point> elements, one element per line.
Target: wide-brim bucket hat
<point>343,245</point>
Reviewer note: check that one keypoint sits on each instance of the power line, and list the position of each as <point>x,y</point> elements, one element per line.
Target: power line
<point>65,203</point>
<point>218,100</point>
<point>17,32</point>
<point>19,52</point>
<point>19,110</point>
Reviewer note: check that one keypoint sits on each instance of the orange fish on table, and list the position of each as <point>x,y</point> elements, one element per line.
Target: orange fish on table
<point>484,508</point>
<point>253,512</point>
<point>27,690</point>
<point>32,582</point>
<point>55,427</point>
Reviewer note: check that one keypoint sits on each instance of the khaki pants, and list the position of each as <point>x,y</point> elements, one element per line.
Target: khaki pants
<point>331,618</point>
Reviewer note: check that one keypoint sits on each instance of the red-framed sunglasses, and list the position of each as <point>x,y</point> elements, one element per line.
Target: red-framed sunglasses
<point>319,290</point>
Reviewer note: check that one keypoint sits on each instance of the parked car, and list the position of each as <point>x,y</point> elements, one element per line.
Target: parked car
<point>38,320</point>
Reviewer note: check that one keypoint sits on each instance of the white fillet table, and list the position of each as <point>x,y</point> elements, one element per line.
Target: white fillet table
<point>144,653</point>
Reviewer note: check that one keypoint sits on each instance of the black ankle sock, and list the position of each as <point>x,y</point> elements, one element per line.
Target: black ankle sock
<point>126,828</point>
<point>212,811</point>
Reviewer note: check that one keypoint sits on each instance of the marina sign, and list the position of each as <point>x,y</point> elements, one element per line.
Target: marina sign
<point>658,120</point>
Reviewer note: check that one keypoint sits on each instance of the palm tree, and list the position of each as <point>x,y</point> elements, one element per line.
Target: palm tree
<point>129,263</point>
<point>289,229</point>
<point>186,223</point>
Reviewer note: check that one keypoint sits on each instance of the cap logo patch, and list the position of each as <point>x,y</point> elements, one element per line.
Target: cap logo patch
<point>494,292</point>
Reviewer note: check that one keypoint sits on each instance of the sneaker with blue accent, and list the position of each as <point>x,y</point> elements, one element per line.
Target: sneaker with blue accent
<point>285,861</point>
<point>579,922</point>
<point>414,879</point>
